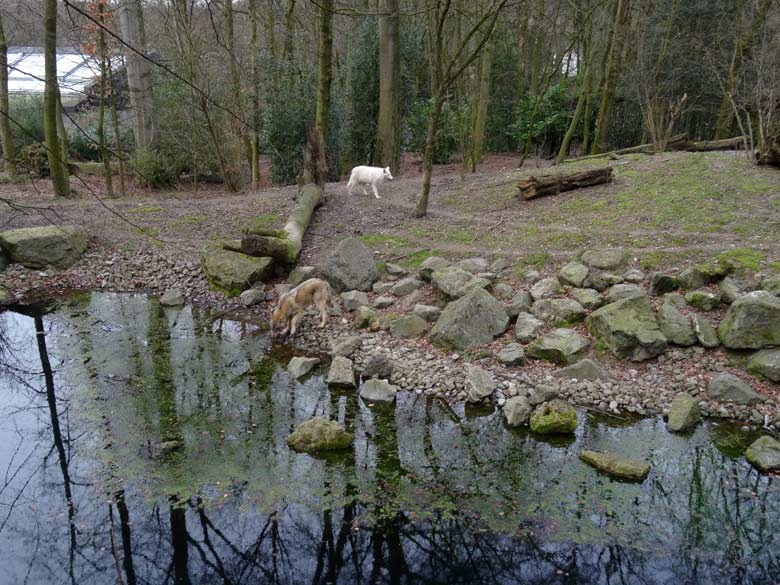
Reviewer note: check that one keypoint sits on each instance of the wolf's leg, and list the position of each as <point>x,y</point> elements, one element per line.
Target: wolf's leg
<point>364,188</point>
<point>322,305</point>
<point>350,186</point>
<point>294,321</point>
<point>373,186</point>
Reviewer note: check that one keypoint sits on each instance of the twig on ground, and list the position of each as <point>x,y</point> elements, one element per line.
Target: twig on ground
<point>491,228</point>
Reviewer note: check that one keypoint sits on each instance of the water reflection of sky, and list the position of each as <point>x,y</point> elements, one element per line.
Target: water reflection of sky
<point>429,495</point>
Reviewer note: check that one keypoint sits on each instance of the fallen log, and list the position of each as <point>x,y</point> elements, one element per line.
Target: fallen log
<point>275,248</point>
<point>770,153</point>
<point>674,143</point>
<point>533,187</point>
<point>736,143</point>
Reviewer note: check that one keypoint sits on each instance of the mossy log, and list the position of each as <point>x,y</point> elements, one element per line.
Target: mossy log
<point>736,143</point>
<point>677,142</point>
<point>285,245</point>
<point>770,153</point>
<point>533,187</point>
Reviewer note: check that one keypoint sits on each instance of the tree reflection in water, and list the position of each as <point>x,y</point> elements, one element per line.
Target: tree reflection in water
<point>428,495</point>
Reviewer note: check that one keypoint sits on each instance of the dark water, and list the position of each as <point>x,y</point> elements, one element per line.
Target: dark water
<point>431,493</point>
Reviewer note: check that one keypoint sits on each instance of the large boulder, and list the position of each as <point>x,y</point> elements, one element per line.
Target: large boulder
<point>683,414</point>
<point>764,454</point>
<point>771,284</point>
<point>520,303</point>
<point>517,411</point>
<point>430,266</point>
<point>675,326</point>
<point>341,374</point>
<point>554,418</point>
<point>616,466</point>
<point>629,328</point>
<point>479,383</point>
<point>545,288</point>
<point>527,327</point>
<point>605,259</point>
<point>319,434</point>
<point>766,363</point>
<point>618,292</point>
<point>234,272</point>
<point>427,312</point>
<point>378,391</point>
<point>474,319</point>
<point>298,367</point>
<point>728,387</point>
<point>583,370</point>
<point>38,247</point>
<point>562,347</point>
<point>455,282</point>
<point>350,266</point>
<point>573,273</point>
<point>751,322</point>
<point>408,327</point>
<point>559,312</point>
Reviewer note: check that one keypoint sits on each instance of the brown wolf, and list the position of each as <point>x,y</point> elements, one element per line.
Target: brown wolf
<point>291,305</point>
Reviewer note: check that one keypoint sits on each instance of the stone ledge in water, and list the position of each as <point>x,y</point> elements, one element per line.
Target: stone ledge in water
<point>517,411</point>
<point>764,454</point>
<point>319,434</point>
<point>298,367</point>
<point>683,414</point>
<point>378,391</point>
<point>341,374</point>
<point>172,298</point>
<point>616,466</point>
<point>38,247</point>
<point>554,418</point>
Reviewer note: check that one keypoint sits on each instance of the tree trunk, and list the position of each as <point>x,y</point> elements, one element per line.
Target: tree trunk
<point>103,56</point>
<point>51,105</point>
<point>736,143</point>
<point>254,140</point>
<point>289,29</point>
<point>388,135</point>
<point>115,125</point>
<point>610,78</point>
<point>139,74</point>
<point>533,187</point>
<point>6,138</point>
<point>481,109</point>
<point>325,73</point>
<point>430,141</point>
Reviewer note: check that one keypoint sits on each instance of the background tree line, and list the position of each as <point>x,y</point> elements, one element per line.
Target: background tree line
<point>214,85</point>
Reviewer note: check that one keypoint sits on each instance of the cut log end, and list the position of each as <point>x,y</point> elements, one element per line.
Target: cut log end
<point>533,187</point>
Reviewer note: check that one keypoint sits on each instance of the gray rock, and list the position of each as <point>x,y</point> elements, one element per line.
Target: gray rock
<point>383,302</point>
<point>517,411</point>
<point>427,312</point>
<point>611,279</point>
<point>583,370</point>
<point>559,312</point>
<point>596,281</point>
<point>553,418</point>
<point>503,291</point>
<point>378,391</point>
<point>474,319</point>
<point>766,363</point>
<point>382,287</point>
<point>394,269</point>
<point>573,273</point>
<point>629,328</point>
<point>605,259</point>
<point>298,367</point>
<point>456,282</point>
<point>281,289</point>
<point>562,346</point>
<point>4,261</point>
<point>527,327</point>
<point>705,332</point>
<point>408,327</point>
<point>233,272</point>
<point>301,274</point>
<point>751,322</point>
<point>166,447</point>
<point>706,301</point>
<point>619,292</point>
<point>675,326</point>
<point>319,434</point>
<point>693,277</point>
<point>729,291</point>
<point>350,266</point>
<point>532,276</point>
<point>616,466</point>
<point>683,414</point>
<point>661,284</point>
<point>431,265</point>
<point>37,247</point>
<point>499,265</point>
<point>378,365</point>
<point>542,393</point>
<point>520,303</point>
<point>473,265</point>
<point>545,288</point>
<point>353,299</point>
<point>588,297</point>
<point>173,298</point>
<point>405,286</point>
<point>345,346</point>
<point>252,296</point>
<point>730,388</point>
<point>511,354</point>
<point>341,374</point>
<point>676,300</point>
<point>479,383</point>
<point>364,316</point>
<point>634,275</point>
<point>771,284</point>
<point>4,297</point>
<point>764,454</point>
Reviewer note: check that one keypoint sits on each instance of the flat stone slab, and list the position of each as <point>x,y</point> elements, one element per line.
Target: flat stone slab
<point>562,347</point>
<point>298,367</point>
<point>604,259</point>
<point>172,298</point>
<point>583,370</point>
<point>319,434</point>
<point>234,272</point>
<point>764,454</point>
<point>38,247</point>
<point>616,466</point>
<point>378,391</point>
<point>341,374</point>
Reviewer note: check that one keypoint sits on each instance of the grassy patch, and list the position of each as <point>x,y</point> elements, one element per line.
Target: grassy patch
<point>263,221</point>
<point>535,259</point>
<point>744,258</point>
<point>189,220</point>
<point>415,259</point>
<point>384,241</point>
<point>146,209</point>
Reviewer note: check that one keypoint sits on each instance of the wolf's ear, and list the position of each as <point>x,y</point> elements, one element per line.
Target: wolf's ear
<point>387,169</point>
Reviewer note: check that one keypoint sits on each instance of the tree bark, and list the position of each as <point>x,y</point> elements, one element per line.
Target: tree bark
<point>139,74</point>
<point>430,141</point>
<point>51,105</point>
<point>481,108</point>
<point>533,187</point>
<point>388,136</point>
<point>325,72</point>
<point>254,140</point>
<point>6,138</point>
<point>103,56</point>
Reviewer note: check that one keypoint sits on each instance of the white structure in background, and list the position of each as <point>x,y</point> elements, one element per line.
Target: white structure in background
<point>75,71</point>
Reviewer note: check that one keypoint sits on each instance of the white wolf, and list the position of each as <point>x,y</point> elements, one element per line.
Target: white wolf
<point>368,176</point>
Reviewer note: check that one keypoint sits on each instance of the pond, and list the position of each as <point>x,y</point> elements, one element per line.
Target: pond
<point>148,445</point>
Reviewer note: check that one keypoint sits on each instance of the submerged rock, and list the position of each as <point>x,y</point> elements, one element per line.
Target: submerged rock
<point>350,266</point>
<point>479,383</point>
<point>683,414</point>
<point>378,391</point>
<point>38,247</point>
<point>562,346</point>
<point>766,363</point>
<point>751,322</point>
<point>583,370</point>
<point>319,434</point>
<point>300,366</point>
<point>616,466</point>
<point>474,319</point>
<point>554,418</point>
<point>629,328</point>
<point>728,387</point>
<point>517,411</point>
<point>341,374</point>
<point>764,454</point>
<point>172,298</point>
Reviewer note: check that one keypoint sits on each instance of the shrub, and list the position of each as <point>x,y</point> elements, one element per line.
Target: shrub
<point>151,170</point>
<point>550,121</point>
<point>27,116</point>
<point>33,160</point>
